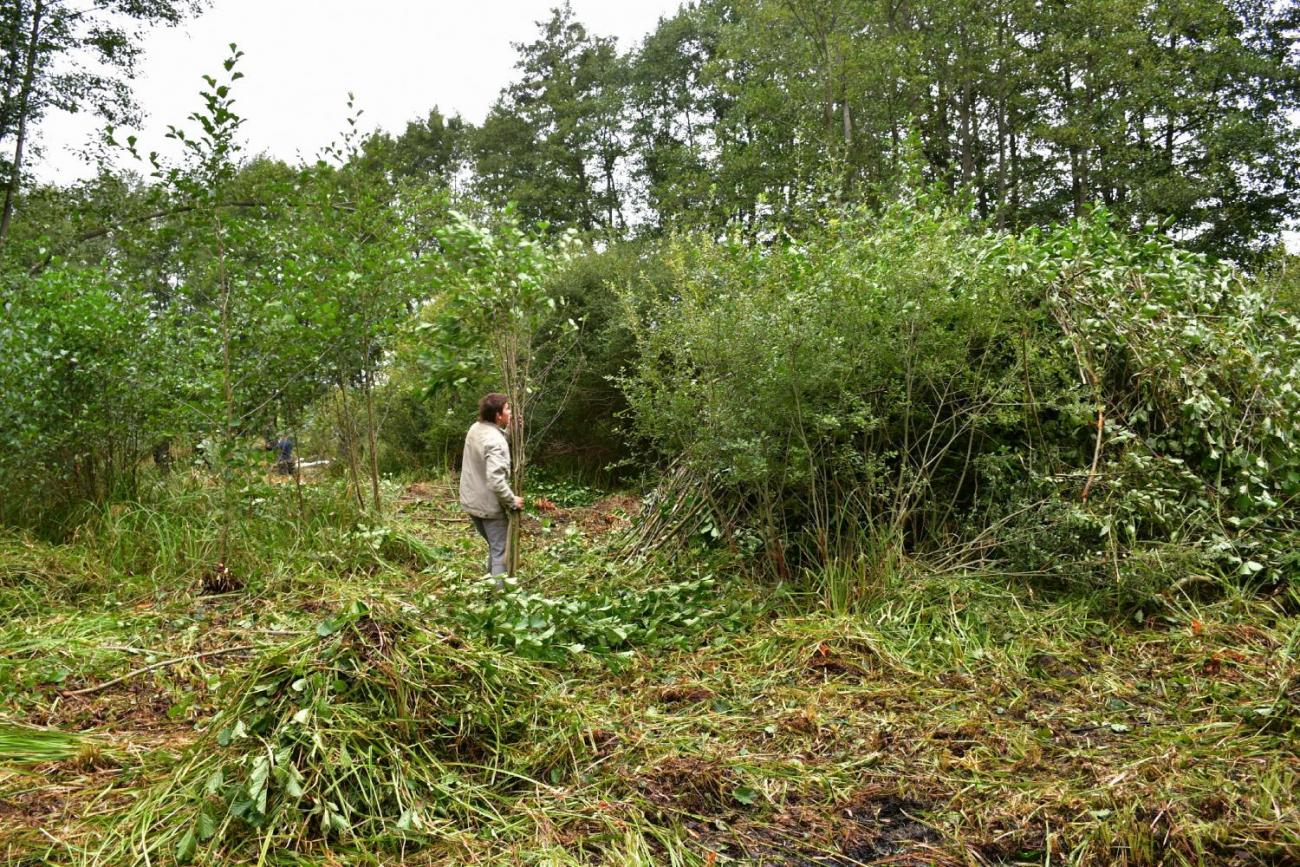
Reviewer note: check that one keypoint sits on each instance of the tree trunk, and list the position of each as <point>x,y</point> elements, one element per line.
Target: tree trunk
<point>24,106</point>
<point>966,115</point>
<point>13,67</point>
<point>943,147</point>
<point>1000,195</point>
<point>228,398</point>
<point>348,431</point>
<point>1003,92</point>
<point>372,440</point>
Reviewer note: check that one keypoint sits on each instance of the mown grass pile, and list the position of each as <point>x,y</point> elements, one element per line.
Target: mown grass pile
<point>25,745</point>
<point>375,731</point>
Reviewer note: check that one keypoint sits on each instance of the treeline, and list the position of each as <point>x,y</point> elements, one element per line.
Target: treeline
<point>873,287</point>
<point>1179,112</point>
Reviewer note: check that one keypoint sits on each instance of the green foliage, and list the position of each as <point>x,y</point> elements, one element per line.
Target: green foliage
<point>434,148</point>
<point>85,393</point>
<point>610,624</point>
<point>565,493</point>
<point>1161,111</point>
<point>552,143</point>
<point>226,298</point>
<point>584,402</point>
<point>942,387</point>
<point>443,362</point>
<point>62,57</point>
<point>1195,370</point>
<point>496,305</point>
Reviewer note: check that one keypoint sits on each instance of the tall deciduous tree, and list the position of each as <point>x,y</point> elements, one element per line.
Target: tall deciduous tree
<point>674,106</point>
<point>64,55</point>
<point>1181,111</point>
<point>435,148</point>
<point>555,142</point>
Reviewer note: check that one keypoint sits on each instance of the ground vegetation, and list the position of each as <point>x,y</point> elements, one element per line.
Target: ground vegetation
<point>909,416</point>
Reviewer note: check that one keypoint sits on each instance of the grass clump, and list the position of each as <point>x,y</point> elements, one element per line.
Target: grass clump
<point>376,732</point>
<point>29,745</point>
<point>35,574</point>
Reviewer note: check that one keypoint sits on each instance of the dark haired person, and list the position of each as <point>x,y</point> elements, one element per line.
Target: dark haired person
<point>485,479</point>
<point>283,448</point>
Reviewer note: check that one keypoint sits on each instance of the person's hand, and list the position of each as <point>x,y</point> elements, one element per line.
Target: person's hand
<point>519,504</point>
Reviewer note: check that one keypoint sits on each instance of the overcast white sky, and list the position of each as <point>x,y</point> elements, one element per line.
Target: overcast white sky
<point>302,57</point>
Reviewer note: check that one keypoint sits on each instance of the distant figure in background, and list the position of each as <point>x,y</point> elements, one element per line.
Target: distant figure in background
<point>485,491</point>
<point>283,448</point>
<point>162,456</point>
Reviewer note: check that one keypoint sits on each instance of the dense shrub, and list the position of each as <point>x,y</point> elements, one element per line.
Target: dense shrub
<point>1053,402</point>
<point>83,381</point>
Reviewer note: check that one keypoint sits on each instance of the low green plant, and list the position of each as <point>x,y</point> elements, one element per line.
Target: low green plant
<point>563,492</point>
<point>610,624</point>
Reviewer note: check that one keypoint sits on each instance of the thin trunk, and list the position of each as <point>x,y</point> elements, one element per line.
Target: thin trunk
<point>1001,194</point>
<point>1169,116</point>
<point>297,485</point>
<point>348,430</point>
<point>943,149</point>
<point>24,105</point>
<point>967,119</point>
<point>13,65</point>
<point>1001,114</point>
<point>1078,190</point>
<point>228,396</point>
<point>1014,152</point>
<point>371,439</point>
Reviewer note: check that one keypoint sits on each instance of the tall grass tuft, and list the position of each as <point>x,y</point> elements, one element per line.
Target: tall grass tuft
<point>28,745</point>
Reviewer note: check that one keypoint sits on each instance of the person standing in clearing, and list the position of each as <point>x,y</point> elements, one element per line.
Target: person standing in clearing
<point>485,491</point>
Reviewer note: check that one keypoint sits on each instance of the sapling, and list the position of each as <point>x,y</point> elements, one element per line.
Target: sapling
<point>498,279</point>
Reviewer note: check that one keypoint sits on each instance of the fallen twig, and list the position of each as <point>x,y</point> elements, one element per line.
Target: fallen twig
<point>130,674</point>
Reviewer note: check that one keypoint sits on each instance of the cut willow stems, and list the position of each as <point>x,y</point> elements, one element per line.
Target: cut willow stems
<point>680,509</point>
<point>514,346</point>
<point>512,543</point>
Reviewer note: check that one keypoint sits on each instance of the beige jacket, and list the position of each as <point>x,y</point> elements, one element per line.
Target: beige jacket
<point>485,472</point>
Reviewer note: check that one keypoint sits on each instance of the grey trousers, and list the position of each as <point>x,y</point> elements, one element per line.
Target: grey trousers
<point>495,531</point>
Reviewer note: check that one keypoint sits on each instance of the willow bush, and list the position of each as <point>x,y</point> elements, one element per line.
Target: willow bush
<point>81,380</point>
<point>1076,402</point>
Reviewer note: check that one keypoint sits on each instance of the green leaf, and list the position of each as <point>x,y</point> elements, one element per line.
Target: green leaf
<point>206,825</point>
<point>186,848</point>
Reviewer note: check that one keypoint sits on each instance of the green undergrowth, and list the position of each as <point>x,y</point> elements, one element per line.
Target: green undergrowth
<point>612,624</point>
<point>372,699</point>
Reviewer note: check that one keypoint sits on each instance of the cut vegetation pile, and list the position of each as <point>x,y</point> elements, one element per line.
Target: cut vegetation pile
<point>375,732</point>
<point>28,745</point>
